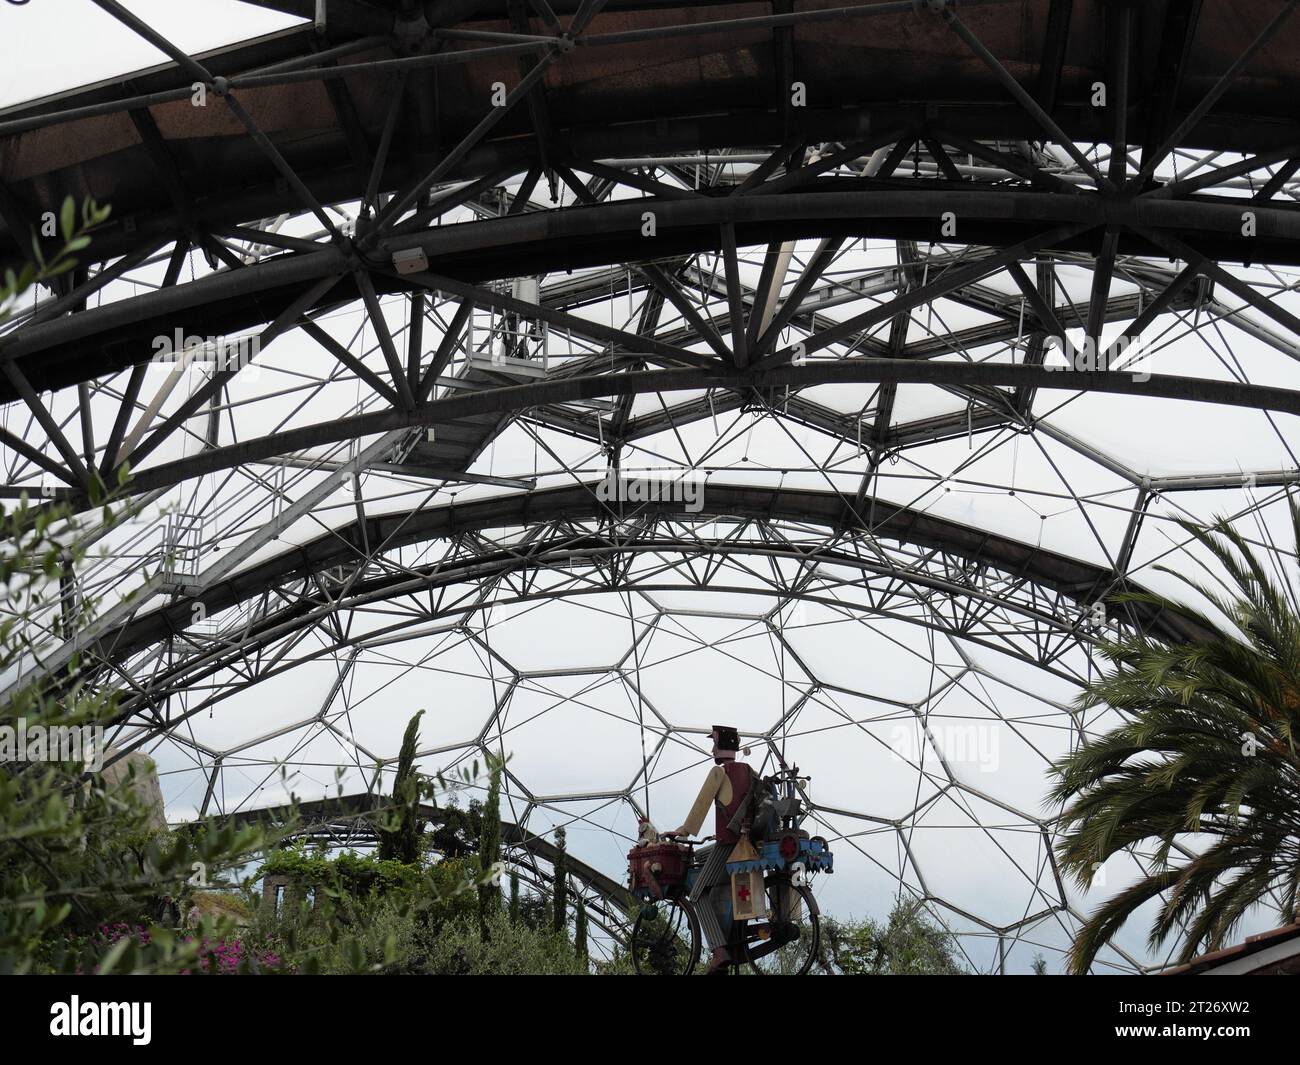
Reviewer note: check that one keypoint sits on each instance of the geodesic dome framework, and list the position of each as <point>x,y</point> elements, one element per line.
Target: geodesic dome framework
<point>586,374</point>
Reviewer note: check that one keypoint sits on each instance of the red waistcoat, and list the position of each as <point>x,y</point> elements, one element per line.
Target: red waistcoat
<point>741,776</point>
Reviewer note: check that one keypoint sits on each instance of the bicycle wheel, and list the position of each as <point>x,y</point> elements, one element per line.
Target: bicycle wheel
<point>665,940</point>
<point>787,941</point>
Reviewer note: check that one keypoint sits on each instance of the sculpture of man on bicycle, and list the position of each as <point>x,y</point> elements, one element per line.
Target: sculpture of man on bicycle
<point>769,920</point>
<point>727,789</point>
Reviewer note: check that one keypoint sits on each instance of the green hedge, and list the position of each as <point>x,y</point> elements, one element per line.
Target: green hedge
<point>355,874</point>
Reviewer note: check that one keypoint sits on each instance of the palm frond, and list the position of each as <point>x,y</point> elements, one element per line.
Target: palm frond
<point>1207,750</point>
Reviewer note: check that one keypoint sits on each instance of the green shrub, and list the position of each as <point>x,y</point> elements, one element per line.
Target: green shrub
<point>370,914</point>
<point>908,944</point>
<point>459,949</point>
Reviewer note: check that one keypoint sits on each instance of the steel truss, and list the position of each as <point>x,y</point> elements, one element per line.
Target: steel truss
<point>616,274</point>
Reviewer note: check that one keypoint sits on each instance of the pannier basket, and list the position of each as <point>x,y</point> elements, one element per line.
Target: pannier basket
<point>658,870</point>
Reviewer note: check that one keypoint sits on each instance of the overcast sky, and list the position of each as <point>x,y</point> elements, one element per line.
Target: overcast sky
<point>47,46</point>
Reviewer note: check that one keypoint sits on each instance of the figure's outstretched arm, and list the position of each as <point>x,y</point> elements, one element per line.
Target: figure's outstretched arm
<point>703,801</point>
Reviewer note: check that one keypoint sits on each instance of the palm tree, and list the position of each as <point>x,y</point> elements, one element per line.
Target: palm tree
<point>1208,748</point>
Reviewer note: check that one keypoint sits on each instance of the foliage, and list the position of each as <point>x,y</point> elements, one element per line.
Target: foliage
<point>76,237</point>
<point>226,956</point>
<point>508,949</point>
<point>560,885</point>
<point>460,830</point>
<point>537,911</point>
<point>364,873</point>
<point>907,944</point>
<point>217,904</point>
<point>361,923</point>
<point>348,872</point>
<point>1209,748</point>
<point>580,933</point>
<point>489,851</point>
<point>78,851</point>
<point>619,964</point>
<point>401,842</point>
<point>370,913</point>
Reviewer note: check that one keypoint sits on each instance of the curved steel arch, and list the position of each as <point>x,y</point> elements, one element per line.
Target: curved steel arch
<point>526,397</point>
<point>584,528</point>
<point>394,150</point>
<point>841,516</point>
<point>597,98</point>
<point>1014,203</point>
<point>521,399</point>
<point>81,347</point>
<point>996,592</point>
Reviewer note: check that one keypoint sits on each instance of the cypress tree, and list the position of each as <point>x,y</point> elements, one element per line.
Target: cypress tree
<point>580,933</point>
<point>403,842</point>
<point>561,920</point>
<point>489,850</point>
